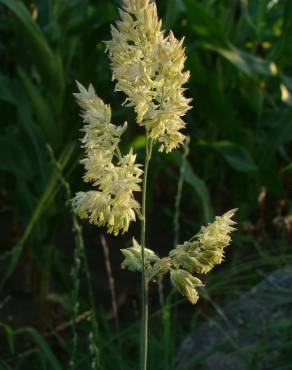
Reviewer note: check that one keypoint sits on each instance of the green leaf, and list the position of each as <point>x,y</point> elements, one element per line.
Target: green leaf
<point>202,191</point>
<point>139,142</point>
<point>269,172</point>
<point>36,42</point>
<point>49,65</point>
<point>287,17</point>
<point>174,9</point>
<point>235,155</point>
<point>281,133</point>
<point>8,90</point>
<point>287,168</point>
<point>43,345</point>
<point>9,336</point>
<point>14,256</point>
<point>16,159</point>
<point>204,24</point>
<point>222,113</point>
<point>49,192</point>
<point>42,111</point>
<point>12,91</point>
<point>43,203</point>
<point>213,37</point>
<point>245,62</point>
<point>4,366</point>
<point>246,14</point>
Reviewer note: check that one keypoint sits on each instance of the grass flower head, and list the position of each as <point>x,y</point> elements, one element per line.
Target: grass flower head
<point>149,68</point>
<point>116,177</point>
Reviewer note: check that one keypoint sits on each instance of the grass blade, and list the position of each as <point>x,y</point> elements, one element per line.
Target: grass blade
<point>201,189</point>
<point>43,345</point>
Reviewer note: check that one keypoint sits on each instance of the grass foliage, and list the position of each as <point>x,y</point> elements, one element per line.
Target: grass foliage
<point>240,59</point>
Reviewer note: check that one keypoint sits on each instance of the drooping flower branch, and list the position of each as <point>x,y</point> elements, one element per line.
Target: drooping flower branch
<point>196,256</point>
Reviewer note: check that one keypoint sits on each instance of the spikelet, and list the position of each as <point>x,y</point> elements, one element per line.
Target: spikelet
<point>160,268</point>
<point>133,257</point>
<point>155,267</point>
<point>99,134</point>
<point>216,235</point>
<point>186,284</point>
<point>112,204</point>
<point>206,249</point>
<point>149,69</point>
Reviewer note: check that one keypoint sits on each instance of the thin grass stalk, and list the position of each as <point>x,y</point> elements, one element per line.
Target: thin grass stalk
<point>75,293</point>
<point>79,254</point>
<point>176,222</point>
<point>144,320</point>
<point>167,335</point>
<point>15,253</point>
<point>110,279</point>
<point>93,336</point>
<point>77,261</point>
<point>160,292</point>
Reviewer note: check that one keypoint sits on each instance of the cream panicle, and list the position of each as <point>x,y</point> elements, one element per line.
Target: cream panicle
<point>149,68</point>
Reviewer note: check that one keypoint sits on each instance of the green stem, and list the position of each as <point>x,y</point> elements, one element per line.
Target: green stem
<point>93,336</point>
<point>78,254</point>
<point>144,322</point>
<point>179,192</point>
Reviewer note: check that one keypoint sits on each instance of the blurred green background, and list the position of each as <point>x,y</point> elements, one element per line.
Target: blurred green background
<point>240,57</point>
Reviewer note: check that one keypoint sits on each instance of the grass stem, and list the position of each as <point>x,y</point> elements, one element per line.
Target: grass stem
<point>179,192</point>
<point>79,254</point>
<point>144,321</point>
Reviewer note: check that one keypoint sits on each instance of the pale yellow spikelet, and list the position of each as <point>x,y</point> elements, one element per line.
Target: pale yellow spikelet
<point>99,133</point>
<point>186,284</point>
<point>149,68</point>
<point>133,257</point>
<point>158,270</point>
<point>93,205</point>
<point>112,204</point>
<point>217,233</point>
<point>155,267</point>
<point>183,256</point>
<point>206,249</point>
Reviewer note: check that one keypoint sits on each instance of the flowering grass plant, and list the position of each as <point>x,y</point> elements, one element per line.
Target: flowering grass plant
<point>148,67</point>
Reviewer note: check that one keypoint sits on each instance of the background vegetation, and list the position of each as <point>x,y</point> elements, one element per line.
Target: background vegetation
<point>240,58</point>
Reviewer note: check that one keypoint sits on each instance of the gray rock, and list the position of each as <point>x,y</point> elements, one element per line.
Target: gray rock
<point>247,332</point>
